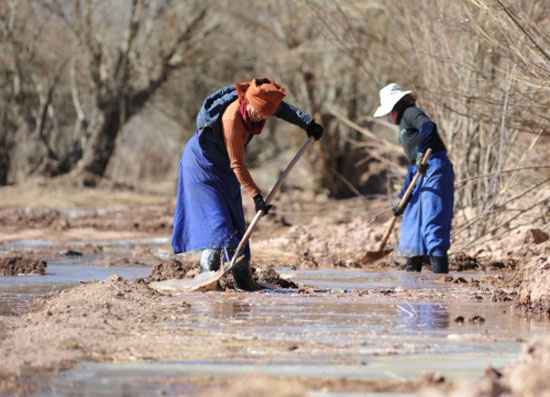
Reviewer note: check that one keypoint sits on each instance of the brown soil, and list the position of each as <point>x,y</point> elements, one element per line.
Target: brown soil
<point>20,263</point>
<point>526,376</point>
<point>117,320</point>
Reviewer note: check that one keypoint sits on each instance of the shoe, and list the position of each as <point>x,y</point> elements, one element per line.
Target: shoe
<point>440,264</point>
<point>243,275</point>
<point>414,264</point>
<point>211,260</point>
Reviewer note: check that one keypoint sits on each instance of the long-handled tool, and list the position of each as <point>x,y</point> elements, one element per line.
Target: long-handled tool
<point>373,256</point>
<point>268,200</point>
<point>208,280</point>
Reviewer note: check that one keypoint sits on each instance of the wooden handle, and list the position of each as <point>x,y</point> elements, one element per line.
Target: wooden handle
<point>403,201</point>
<point>268,200</point>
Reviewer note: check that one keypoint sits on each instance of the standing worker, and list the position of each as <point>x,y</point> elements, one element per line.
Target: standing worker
<point>426,224</point>
<point>209,214</point>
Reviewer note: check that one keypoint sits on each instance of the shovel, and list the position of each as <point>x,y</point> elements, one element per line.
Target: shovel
<point>373,256</point>
<point>209,280</point>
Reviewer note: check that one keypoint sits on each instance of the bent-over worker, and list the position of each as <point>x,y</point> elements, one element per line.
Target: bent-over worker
<point>209,214</point>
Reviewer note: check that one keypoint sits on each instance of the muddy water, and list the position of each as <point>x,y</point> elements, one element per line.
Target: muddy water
<point>333,332</point>
<point>16,292</point>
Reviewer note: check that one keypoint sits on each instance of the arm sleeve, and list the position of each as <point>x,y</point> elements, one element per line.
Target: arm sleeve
<point>233,135</point>
<point>293,115</point>
<point>415,117</point>
<point>427,130</point>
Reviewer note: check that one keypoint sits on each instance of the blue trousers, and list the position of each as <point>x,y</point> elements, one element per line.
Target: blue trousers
<point>426,223</point>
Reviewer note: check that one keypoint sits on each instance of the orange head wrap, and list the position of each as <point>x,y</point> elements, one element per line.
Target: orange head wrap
<point>263,94</point>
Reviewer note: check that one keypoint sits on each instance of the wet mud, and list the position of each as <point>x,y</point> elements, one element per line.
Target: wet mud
<point>122,321</point>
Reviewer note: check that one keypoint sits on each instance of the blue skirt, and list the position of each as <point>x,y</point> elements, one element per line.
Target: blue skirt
<point>209,211</point>
<point>426,223</point>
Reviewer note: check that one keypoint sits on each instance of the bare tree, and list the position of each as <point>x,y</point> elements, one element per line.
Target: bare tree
<point>126,71</point>
<point>481,71</point>
<point>79,69</point>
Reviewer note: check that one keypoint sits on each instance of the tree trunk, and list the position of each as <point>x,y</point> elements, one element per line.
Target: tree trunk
<point>102,143</point>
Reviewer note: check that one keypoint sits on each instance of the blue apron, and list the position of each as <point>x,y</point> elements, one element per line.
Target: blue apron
<point>209,211</point>
<point>426,223</point>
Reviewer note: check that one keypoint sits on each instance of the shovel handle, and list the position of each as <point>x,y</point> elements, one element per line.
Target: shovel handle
<point>268,200</point>
<point>403,201</point>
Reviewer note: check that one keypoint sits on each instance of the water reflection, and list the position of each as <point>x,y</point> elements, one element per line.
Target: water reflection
<point>228,309</point>
<point>424,317</point>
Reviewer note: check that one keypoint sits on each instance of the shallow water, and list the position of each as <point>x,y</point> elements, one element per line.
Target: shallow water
<point>332,333</point>
<point>18,291</point>
<point>358,338</point>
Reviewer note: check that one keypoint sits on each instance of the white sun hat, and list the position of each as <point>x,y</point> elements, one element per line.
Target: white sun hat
<point>389,96</point>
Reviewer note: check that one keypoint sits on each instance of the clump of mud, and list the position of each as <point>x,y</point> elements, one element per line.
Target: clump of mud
<point>269,276</point>
<point>462,262</point>
<point>264,277</point>
<point>16,264</point>
<point>172,269</point>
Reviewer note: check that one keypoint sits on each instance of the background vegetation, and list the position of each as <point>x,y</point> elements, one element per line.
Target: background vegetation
<point>110,89</point>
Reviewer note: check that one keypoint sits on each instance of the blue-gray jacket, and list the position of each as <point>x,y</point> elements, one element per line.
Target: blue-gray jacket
<point>210,127</point>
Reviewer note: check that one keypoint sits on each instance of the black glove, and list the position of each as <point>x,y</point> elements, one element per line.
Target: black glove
<point>259,204</point>
<point>315,130</point>
<point>419,166</point>
<point>397,210</point>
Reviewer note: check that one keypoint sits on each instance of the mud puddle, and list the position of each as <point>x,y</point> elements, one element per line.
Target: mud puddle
<point>17,292</point>
<point>329,331</point>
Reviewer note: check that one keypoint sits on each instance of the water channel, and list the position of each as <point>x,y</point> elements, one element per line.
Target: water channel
<point>380,338</point>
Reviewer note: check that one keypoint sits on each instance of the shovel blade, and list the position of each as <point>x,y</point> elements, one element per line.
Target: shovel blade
<point>206,281</point>
<point>373,256</point>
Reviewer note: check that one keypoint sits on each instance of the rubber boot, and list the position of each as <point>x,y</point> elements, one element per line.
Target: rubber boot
<point>243,275</point>
<point>440,264</point>
<point>210,260</point>
<point>414,264</point>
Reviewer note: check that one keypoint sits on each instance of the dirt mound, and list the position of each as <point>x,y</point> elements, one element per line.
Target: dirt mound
<point>534,289</point>
<point>270,276</point>
<point>16,264</point>
<point>325,236</point>
<point>172,269</point>
<point>88,322</point>
<point>528,376</point>
<point>536,236</point>
<point>143,218</point>
<point>461,262</point>
<point>28,216</point>
<point>267,277</point>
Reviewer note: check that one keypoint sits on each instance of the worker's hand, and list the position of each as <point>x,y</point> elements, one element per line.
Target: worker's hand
<point>397,210</point>
<point>259,204</point>
<point>315,130</point>
<point>419,166</point>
